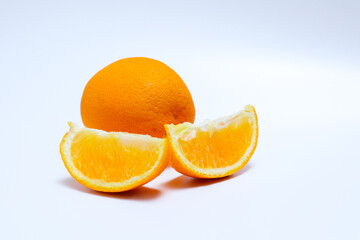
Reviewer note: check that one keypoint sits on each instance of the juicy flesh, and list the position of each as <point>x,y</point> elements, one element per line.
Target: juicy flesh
<point>113,157</point>
<point>219,145</point>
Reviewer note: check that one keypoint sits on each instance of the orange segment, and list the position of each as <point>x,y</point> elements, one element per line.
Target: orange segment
<point>214,149</point>
<point>112,161</point>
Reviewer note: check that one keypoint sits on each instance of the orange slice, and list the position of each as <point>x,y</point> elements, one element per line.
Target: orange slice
<point>112,161</point>
<point>214,149</point>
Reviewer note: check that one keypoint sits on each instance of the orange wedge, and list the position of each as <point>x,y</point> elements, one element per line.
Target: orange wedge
<point>112,161</point>
<point>214,149</point>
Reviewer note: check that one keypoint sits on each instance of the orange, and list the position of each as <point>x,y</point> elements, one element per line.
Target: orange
<point>136,95</point>
<point>112,161</point>
<point>214,149</point>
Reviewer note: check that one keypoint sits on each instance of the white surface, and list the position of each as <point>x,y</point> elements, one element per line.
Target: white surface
<point>297,62</point>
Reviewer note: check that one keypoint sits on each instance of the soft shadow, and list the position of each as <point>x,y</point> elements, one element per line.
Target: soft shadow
<point>138,194</point>
<point>183,182</point>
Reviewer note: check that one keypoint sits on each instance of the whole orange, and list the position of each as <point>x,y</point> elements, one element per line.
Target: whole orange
<point>136,95</point>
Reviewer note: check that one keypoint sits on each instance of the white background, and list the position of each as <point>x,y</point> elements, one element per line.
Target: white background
<point>297,62</point>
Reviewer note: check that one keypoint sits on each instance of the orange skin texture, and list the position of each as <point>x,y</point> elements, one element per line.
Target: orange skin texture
<point>136,95</point>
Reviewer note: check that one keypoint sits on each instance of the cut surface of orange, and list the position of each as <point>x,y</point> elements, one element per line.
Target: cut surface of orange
<point>112,161</point>
<point>216,148</point>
